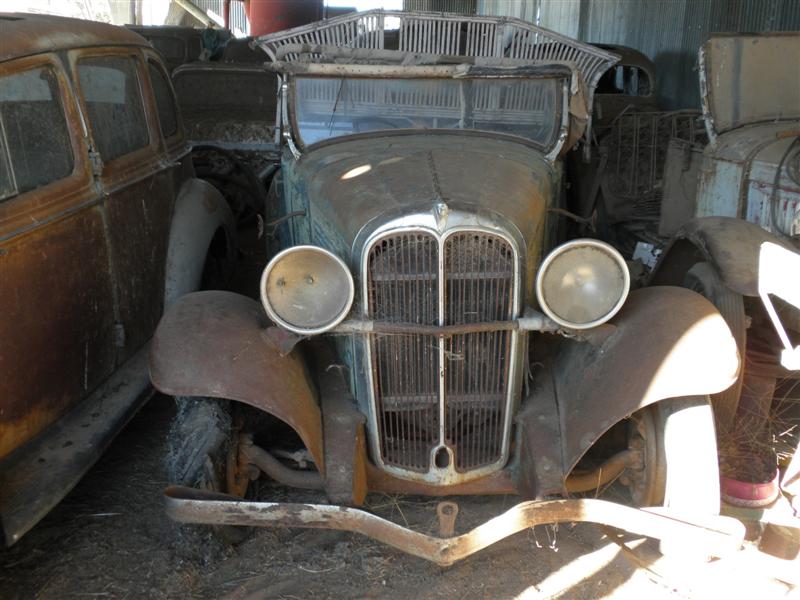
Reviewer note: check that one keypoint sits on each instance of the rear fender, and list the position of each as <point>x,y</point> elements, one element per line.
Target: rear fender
<point>200,212</point>
<point>213,344</point>
<point>667,342</point>
<point>731,245</point>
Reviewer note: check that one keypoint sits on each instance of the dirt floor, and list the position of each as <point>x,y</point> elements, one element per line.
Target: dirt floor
<point>110,539</point>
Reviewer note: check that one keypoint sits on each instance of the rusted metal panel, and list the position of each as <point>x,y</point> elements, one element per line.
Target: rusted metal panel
<point>213,344</point>
<point>82,261</point>
<point>734,72</point>
<point>497,483</point>
<point>681,174</point>
<point>38,474</point>
<point>27,34</point>
<point>138,201</point>
<point>747,173</point>
<point>668,342</point>
<point>57,325</point>
<point>669,37</point>
<point>731,245</point>
<point>716,536</point>
<point>52,362</point>
<point>401,178</point>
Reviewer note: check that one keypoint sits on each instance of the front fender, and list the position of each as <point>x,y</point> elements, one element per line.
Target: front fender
<point>732,246</point>
<point>200,211</point>
<point>667,342</point>
<point>212,344</point>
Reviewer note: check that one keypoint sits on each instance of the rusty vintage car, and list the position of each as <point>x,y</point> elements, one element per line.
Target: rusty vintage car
<point>424,330</point>
<point>630,85</point>
<point>707,190</point>
<point>732,209</point>
<point>102,225</point>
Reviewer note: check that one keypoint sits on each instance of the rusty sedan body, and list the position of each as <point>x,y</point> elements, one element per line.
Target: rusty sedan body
<point>423,331</point>
<point>102,225</point>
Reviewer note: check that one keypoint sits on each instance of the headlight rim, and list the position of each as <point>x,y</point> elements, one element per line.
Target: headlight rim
<point>559,250</point>
<point>280,321</point>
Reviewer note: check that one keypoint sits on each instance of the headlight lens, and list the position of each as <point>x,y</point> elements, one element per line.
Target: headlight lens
<point>582,283</point>
<point>307,289</point>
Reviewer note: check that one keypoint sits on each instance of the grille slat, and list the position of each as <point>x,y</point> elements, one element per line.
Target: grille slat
<point>403,286</point>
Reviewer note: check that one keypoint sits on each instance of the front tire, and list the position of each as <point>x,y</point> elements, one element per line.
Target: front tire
<point>704,279</point>
<point>671,458</point>
<point>689,446</point>
<point>203,454</point>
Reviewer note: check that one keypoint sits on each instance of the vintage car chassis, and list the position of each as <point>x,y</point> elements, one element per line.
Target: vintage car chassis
<point>707,536</point>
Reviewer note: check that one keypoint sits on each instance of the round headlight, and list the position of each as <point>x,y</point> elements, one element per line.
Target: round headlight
<point>582,283</point>
<point>307,289</point>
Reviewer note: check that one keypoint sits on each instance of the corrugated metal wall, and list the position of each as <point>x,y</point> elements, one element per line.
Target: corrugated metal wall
<point>669,31</point>
<point>238,19</point>
<point>466,7</point>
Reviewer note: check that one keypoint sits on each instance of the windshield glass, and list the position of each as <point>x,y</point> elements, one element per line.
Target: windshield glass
<point>332,107</point>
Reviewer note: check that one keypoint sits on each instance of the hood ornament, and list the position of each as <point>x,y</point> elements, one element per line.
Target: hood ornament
<point>441,212</point>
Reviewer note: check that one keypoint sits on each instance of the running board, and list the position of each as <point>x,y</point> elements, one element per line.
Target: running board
<point>37,476</point>
<point>712,536</point>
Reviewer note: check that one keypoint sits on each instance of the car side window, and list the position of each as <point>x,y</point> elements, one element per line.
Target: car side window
<point>35,146</point>
<point>165,101</point>
<point>113,100</point>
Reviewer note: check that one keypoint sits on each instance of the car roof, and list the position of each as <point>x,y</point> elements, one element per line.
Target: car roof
<point>629,56</point>
<point>27,34</point>
<point>165,30</point>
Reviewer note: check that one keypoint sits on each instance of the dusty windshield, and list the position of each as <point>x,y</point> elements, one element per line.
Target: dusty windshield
<point>329,107</point>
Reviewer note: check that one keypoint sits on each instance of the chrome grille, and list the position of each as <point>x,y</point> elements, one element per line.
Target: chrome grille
<point>478,287</point>
<point>470,392</point>
<point>403,288</point>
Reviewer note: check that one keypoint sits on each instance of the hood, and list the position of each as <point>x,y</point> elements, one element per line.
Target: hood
<point>736,69</point>
<point>359,184</point>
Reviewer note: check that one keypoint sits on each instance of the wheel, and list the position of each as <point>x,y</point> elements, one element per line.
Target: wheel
<point>203,453</point>
<point>678,465</point>
<point>704,279</point>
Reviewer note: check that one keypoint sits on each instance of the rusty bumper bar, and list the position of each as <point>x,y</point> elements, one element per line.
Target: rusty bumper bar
<point>714,536</point>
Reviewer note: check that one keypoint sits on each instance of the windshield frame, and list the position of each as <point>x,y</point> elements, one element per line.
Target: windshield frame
<point>289,97</point>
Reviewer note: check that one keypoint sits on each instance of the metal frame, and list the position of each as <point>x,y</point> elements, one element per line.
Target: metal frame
<point>712,535</point>
<point>428,224</point>
<point>486,37</point>
<point>287,113</point>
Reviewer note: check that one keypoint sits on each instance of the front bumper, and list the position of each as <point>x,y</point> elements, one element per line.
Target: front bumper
<point>708,535</point>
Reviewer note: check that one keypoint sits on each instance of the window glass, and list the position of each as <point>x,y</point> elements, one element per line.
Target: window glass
<point>165,102</point>
<point>35,147</point>
<point>328,107</point>
<point>114,103</point>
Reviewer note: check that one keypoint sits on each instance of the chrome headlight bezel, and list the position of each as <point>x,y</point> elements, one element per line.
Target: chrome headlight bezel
<point>560,251</point>
<point>341,314</point>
